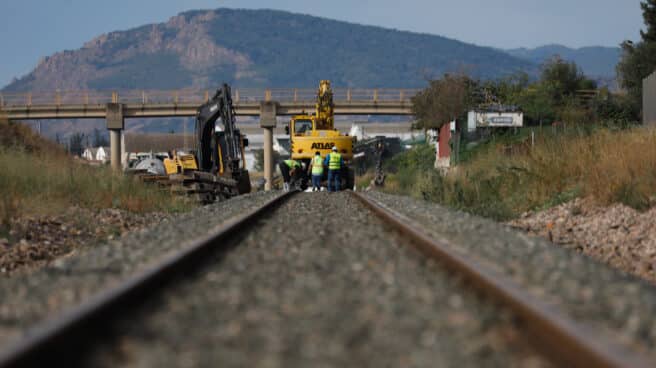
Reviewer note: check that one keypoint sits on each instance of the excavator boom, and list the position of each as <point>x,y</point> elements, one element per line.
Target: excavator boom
<point>218,107</point>
<point>218,169</point>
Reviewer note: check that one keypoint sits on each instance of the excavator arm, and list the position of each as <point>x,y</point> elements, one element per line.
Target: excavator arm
<point>216,149</point>
<point>218,169</point>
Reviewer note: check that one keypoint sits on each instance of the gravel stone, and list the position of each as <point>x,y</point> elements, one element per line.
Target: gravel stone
<point>620,306</point>
<point>616,235</point>
<point>40,240</point>
<point>323,283</point>
<point>29,298</point>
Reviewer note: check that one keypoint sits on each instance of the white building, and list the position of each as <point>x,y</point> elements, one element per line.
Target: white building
<point>90,153</point>
<point>96,154</point>
<point>102,154</point>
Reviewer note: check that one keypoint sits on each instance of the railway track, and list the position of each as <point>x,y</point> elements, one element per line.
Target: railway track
<point>561,339</point>
<point>318,294</point>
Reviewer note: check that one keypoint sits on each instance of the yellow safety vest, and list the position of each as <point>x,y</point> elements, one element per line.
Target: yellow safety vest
<point>334,161</point>
<point>317,165</point>
<point>292,163</point>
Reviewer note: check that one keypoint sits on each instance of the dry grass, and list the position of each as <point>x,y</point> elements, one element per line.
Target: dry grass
<point>37,177</point>
<point>610,166</point>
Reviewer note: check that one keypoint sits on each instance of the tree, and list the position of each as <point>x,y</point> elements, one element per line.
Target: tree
<point>639,59</point>
<point>507,90</point>
<point>561,80</point>
<point>649,14</point>
<point>442,101</point>
<point>75,144</point>
<point>99,139</point>
<point>537,105</point>
<point>615,108</point>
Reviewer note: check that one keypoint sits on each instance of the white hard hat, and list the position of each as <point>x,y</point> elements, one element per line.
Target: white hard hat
<point>335,148</point>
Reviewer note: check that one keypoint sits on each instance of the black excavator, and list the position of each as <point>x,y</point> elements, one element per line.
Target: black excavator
<point>218,169</point>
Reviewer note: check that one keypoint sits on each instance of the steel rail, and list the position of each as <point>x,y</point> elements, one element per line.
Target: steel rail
<point>559,338</point>
<point>56,341</point>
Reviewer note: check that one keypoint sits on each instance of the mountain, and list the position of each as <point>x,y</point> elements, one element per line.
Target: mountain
<point>596,61</point>
<point>258,48</point>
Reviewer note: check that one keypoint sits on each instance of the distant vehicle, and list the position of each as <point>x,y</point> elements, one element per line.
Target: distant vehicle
<point>134,158</point>
<point>151,166</point>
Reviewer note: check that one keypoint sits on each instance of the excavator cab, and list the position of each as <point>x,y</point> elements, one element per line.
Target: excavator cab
<point>303,126</point>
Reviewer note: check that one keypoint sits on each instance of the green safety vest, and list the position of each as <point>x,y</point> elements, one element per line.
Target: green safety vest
<point>317,165</point>
<point>292,163</point>
<point>333,162</point>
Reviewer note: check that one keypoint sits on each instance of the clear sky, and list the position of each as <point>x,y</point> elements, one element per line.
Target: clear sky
<point>31,29</point>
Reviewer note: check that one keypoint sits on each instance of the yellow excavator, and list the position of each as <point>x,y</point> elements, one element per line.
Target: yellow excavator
<point>311,133</point>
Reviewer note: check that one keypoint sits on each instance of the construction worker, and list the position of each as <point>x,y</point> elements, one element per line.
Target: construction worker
<point>335,163</point>
<point>317,171</point>
<point>288,170</point>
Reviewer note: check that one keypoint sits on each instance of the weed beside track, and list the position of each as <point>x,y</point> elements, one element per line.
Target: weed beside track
<point>503,179</point>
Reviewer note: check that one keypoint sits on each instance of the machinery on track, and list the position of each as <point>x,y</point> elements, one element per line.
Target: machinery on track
<point>217,170</point>
<point>311,133</point>
<point>372,150</point>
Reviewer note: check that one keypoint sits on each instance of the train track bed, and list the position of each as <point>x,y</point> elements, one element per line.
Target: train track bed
<point>323,282</point>
<point>621,306</point>
<point>319,279</point>
<point>38,240</point>
<point>29,298</point>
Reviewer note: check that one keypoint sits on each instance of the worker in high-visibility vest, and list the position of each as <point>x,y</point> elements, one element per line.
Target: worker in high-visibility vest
<point>288,170</point>
<point>317,171</point>
<point>335,163</point>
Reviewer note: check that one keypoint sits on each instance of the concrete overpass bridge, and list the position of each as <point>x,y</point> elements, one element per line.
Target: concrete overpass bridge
<point>116,106</point>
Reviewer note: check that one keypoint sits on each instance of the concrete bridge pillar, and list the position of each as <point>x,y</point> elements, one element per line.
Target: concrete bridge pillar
<point>115,124</point>
<point>268,114</point>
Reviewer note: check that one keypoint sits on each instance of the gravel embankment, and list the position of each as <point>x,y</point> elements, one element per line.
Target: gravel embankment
<point>616,235</point>
<point>323,283</point>
<point>36,241</point>
<point>620,305</point>
<point>29,298</point>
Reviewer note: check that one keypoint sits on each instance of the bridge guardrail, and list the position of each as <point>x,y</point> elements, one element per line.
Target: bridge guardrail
<point>184,96</point>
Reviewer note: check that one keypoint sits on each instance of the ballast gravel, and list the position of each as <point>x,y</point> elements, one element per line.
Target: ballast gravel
<point>29,298</point>
<point>320,283</point>
<point>621,306</point>
<point>616,235</point>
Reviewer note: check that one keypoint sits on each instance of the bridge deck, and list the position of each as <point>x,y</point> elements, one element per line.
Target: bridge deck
<point>142,103</point>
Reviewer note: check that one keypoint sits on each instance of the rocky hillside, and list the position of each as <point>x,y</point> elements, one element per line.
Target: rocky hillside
<point>255,48</point>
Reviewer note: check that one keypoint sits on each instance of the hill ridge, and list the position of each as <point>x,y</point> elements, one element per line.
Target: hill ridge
<point>258,48</point>
<point>595,61</point>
